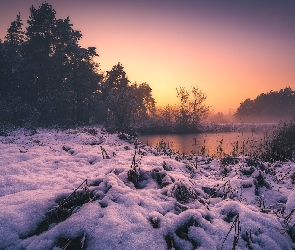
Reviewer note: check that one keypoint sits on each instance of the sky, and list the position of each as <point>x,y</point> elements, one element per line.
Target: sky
<point>231,50</point>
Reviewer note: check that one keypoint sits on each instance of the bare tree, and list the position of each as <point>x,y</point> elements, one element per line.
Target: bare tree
<point>191,109</point>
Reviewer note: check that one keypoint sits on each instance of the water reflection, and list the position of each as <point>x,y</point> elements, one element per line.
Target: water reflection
<point>212,144</point>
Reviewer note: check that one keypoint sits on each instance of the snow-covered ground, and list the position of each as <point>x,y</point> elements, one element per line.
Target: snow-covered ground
<point>88,189</point>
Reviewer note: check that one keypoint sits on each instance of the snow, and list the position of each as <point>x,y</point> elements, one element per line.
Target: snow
<point>136,197</point>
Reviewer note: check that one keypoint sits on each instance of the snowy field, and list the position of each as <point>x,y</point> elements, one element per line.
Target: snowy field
<point>86,189</point>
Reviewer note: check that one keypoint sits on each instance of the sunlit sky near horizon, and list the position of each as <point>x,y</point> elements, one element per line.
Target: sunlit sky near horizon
<point>232,50</point>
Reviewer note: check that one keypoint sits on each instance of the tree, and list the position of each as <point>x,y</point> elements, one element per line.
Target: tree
<point>272,105</point>
<point>145,103</point>
<point>120,99</point>
<point>38,52</point>
<point>76,72</point>
<point>13,42</point>
<point>165,119</point>
<point>15,36</point>
<point>5,72</point>
<point>124,104</point>
<point>85,80</point>
<point>109,91</point>
<point>13,109</point>
<point>246,108</point>
<point>191,109</point>
<point>60,74</point>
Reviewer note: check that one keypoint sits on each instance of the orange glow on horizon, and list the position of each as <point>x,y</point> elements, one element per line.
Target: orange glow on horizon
<point>228,58</point>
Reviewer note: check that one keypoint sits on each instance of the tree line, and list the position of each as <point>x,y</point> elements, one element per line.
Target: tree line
<point>47,78</point>
<point>271,105</point>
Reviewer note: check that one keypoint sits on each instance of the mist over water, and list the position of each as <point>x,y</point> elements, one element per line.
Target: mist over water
<point>263,119</point>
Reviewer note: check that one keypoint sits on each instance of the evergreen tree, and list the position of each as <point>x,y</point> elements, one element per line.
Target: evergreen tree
<point>61,75</point>
<point>37,54</point>
<point>5,72</point>
<point>12,45</point>
<point>85,82</point>
<point>125,104</point>
<point>15,36</point>
<point>144,99</point>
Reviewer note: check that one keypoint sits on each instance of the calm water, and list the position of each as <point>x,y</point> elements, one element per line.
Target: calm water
<point>212,144</point>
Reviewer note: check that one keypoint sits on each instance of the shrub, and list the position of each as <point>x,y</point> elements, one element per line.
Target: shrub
<point>281,147</point>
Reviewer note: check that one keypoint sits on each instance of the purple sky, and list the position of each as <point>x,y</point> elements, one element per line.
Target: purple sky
<point>231,49</point>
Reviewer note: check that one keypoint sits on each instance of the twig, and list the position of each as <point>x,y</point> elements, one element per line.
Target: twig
<point>236,226</point>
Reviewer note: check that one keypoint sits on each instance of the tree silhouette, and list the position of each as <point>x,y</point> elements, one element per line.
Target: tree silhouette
<point>124,103</point>
<point>49,79</point>
<point>61,76</point>
<point>191,109</point>
<point>273,105</point>
<point>12,53</point>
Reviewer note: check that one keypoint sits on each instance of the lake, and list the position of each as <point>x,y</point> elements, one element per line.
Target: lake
<point>211,144</point>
